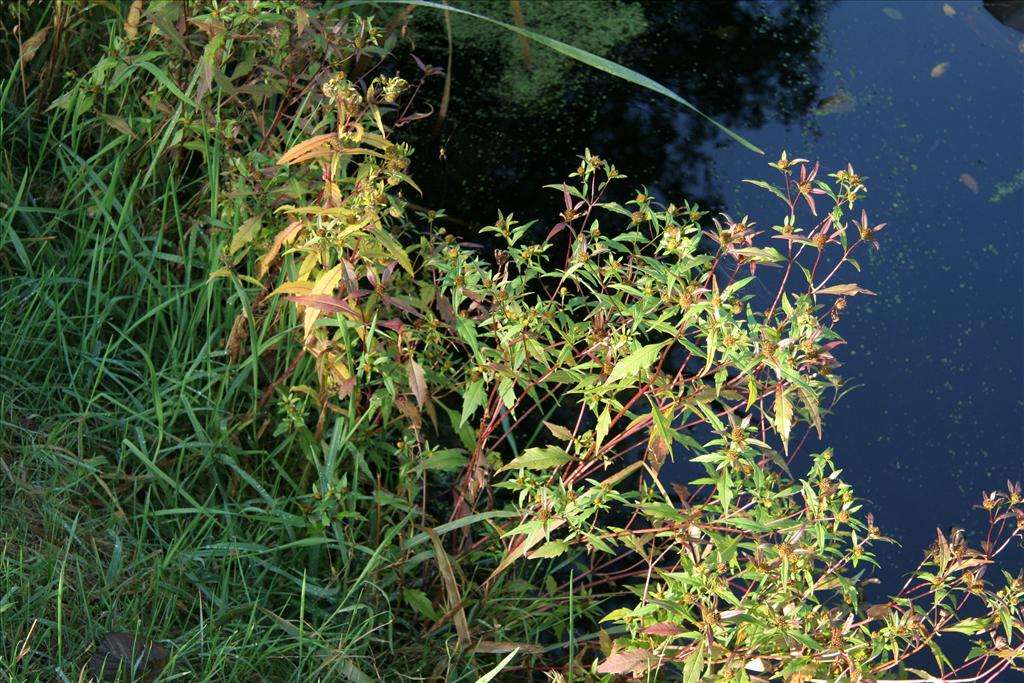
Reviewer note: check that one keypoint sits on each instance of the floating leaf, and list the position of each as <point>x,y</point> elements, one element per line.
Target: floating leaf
<point>539,459</point>
<point>842,102</point>
<point>122,656</point>
<point>939,69</point>
<point>893,13</point>
<point>948,10</point>
<point>969,182</point>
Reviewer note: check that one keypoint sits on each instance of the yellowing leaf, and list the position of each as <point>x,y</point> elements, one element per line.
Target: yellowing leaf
<point>845,290</point>
<point>539,459</point>
<point>317,146</point>
<point>939,69</point>
<point>783,416</point>
<point>324,284</point>
<point>245,233</point>
<point>282,238</point>
<point>948,9</point>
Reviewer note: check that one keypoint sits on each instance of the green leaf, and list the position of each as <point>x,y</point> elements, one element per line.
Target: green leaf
<point>539,459</point>
<point>588,58</point>
<point>603,422</point>
<point>694,665</point>
<point>970,627</point>
<point>489,676</point>
<point>631,365</point>
<point>549,550</point>
<point>447,460</point>
<point>771,188</point>
<point>419,601</point>
<point>559,432</point>
<point>473,398</point>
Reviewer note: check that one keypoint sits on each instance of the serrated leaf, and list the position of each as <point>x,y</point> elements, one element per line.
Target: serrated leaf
<point>538,458</point>
<point>559,432</point>
<point>634,363</point>
<point>694,665</point>
<point>783,416</point>
<point>549,550</point>
<point>664,628</point>
<point>473,398</point>
<point>245,233</point>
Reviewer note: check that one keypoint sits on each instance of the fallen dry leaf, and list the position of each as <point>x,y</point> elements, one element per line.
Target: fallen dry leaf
<point>136,658</point>
<point>939,69</point>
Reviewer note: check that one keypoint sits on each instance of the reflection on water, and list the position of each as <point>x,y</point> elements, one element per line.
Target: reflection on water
<point>924,99</point>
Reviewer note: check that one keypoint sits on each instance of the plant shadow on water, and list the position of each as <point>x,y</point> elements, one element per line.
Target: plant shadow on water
<point>937,415</point>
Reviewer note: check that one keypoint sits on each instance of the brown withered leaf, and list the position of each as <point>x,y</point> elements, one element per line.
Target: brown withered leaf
<point>131,23</point>
<point>135,658</point>
<point>417,381</point>
<point>239,335</point>
<point>31,46</point>
<point>626,661</point>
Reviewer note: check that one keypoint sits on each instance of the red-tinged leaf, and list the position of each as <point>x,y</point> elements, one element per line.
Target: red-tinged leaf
<point>845,290</point>
<point>625,661</point>
<point>323,302</point>
<point>664,628</point>
<point>417,381</point>
<point>557,229</point>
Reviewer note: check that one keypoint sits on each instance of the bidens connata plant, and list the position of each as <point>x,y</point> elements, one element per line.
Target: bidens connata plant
<point>558,391</point>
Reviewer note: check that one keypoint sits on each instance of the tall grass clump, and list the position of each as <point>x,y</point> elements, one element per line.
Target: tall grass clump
<point>262,419</point>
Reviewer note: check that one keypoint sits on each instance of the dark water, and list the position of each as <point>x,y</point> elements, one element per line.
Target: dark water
<point>927,103</point>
